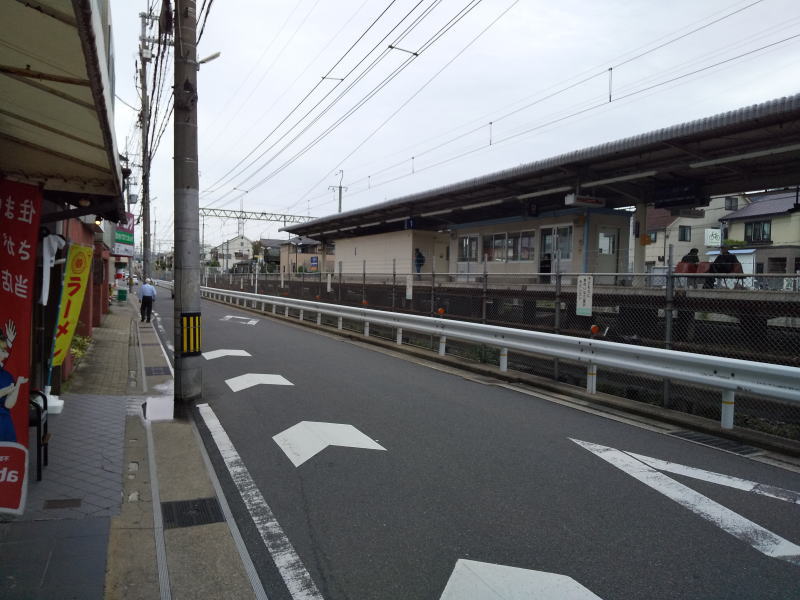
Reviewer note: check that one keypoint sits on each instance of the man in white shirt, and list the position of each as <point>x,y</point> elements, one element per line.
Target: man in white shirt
<point>147,293</point>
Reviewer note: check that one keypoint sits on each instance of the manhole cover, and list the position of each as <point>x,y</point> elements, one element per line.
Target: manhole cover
<point>187,513</point>
<point>63,503</point>
<point>156,371</point>
<point>717,442</point>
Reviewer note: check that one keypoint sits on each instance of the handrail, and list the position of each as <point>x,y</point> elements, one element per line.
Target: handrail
<point>730,375</point>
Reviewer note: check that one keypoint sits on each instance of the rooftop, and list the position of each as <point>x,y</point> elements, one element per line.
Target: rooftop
<point>772,203</point>
<point>749,148</point>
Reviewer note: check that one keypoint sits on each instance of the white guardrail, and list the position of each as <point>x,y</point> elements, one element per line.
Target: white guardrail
<point>729,375</point>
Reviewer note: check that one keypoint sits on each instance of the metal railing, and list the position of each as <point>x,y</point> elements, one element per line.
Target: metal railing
<point>730,376</point>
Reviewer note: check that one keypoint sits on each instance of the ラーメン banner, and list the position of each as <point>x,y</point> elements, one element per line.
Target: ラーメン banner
<point>76,277</point>
<point>20,207</point>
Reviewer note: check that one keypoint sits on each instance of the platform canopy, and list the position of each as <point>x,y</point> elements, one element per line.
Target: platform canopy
<point>753,148</point>
<point>56,103</point>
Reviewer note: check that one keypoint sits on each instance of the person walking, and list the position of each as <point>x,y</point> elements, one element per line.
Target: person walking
<point>419,260</point>
<point>147,294</point>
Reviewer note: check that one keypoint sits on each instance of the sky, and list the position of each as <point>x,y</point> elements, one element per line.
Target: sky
<point>306,88</point>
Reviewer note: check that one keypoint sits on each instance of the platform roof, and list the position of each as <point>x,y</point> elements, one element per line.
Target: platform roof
<point>751,148</point>
<point>56,103</point>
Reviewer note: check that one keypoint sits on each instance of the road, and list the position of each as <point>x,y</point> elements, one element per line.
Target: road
<point>451,470</point>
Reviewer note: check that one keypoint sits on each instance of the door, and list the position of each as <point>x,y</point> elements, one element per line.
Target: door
<point>607,256</point>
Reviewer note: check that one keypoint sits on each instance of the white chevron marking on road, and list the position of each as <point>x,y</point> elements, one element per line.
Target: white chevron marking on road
<point>308,438</point>
<point>248,380</point>
<point>485,581</point>
<point>212,354</point>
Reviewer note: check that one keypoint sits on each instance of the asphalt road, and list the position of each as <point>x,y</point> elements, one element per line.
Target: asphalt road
<point>471,471</point>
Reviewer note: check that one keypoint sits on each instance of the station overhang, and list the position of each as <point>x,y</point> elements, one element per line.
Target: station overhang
<point>56,104</point>
<point>753,148</point>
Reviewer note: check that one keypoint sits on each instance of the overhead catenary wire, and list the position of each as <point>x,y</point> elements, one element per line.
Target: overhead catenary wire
<point>585,79</point>
<point>225,176</point>
<point>587,109</point>
<point>431,40</point>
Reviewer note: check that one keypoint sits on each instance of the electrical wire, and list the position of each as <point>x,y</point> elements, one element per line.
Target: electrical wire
<point>297,106</point>
<point>538,100</point>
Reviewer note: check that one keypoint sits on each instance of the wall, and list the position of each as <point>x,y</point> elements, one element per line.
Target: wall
<point>379,251</point>
<point>290,261</point>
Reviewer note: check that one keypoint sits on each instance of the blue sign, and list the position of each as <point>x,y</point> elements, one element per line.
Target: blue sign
<point>314,263</point>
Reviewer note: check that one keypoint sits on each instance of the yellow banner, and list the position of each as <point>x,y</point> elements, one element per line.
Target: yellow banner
<point>76,280</point>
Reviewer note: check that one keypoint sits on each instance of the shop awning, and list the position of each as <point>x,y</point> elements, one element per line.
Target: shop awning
<point>56,103</point>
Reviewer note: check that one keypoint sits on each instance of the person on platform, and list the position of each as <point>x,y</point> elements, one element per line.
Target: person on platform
<point>726,263</point>
<point>692,258</point>
<point>147,294</point>
<point>9,390</point>
<point>419,260</point>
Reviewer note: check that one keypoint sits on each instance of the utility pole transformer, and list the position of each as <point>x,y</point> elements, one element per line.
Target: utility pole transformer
<point>188,335</point>
<point>144,117</point>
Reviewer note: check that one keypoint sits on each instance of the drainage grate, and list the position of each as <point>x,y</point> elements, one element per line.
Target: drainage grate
<point>187,513</point>
<point>156,371</point>
<point>716,442</point>
<point>63,503</point>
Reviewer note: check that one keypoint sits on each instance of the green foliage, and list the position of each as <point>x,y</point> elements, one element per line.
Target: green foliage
<point>80,346</point>
<point>733,243</point>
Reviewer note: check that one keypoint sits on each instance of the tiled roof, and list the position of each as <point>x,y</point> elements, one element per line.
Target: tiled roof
<point>773,203</point>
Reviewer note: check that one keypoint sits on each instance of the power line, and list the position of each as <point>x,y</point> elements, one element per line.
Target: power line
<point>583,111</point>
<point>538,100</point>
<point>313,89</point>
<point>449,25</point>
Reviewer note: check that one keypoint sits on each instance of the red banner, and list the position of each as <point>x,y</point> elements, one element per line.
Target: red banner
<point>20,207</point>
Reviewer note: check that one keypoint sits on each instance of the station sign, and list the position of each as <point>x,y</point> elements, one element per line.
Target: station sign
<point>582,200</point>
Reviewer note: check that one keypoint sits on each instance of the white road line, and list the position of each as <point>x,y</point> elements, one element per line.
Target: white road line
<point>720,479</point>
<point>248,380</point>
<point>212,354</point>
<point>761,539</point>
<point>476,580</point>
<point>292,570</point>
<point>308,438</point>
<point>242,320</point>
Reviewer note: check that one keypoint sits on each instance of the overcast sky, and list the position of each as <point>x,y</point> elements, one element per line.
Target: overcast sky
<point>274,52</point>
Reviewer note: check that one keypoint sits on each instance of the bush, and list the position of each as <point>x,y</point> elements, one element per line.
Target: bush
<point>80,346</point>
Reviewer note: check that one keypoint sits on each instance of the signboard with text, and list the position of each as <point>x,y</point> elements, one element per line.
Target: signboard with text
<point>20,207</point>
<point>76,279</point>
<point>123,237</point>
<point>583,305</point>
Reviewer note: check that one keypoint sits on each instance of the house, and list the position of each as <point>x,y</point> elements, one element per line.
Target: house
<point>231,252</point>
<point>686,229</point>
<point>768,225</point>
<point>302,254</point>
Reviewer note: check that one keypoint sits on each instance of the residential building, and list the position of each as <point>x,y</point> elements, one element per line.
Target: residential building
<point>301,254</point>
<point>231,252</point>
<point>686,229</point>
<point>769,226</point>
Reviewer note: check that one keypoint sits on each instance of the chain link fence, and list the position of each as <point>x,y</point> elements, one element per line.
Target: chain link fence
<point>739,316</point>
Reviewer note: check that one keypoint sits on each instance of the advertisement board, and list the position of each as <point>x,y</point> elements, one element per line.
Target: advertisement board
<point>20,208</point>
<point>123,237</point>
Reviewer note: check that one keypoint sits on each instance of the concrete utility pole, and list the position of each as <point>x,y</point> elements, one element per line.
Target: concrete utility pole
<point>339,187</point>
<point>188,370</point>
<point>144,118</point>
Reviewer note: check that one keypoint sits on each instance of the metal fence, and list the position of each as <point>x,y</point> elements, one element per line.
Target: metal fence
<point>738,316</point>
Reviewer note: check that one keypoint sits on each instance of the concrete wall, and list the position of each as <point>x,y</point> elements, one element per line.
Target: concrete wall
<point>380,250</point>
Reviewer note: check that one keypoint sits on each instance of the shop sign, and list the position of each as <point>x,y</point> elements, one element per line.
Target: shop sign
<point>76,278</point>
<point>20,208</point>
<point>123,237</point>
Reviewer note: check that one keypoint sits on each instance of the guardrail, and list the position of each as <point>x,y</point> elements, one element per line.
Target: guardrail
<point>729,375</point>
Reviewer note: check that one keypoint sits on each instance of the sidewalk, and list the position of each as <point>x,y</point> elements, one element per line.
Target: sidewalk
<point>91,528</point>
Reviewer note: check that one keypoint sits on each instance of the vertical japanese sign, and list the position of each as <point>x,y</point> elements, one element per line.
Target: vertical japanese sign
<point>123,237</point>
<point>583,305</point>
<point>20,206</point>
<point>76,277</point>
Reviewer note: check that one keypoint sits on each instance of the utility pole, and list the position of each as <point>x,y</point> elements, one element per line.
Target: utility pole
<point>339,187</point>
<point>144,119</point>
<point>188,370</point>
